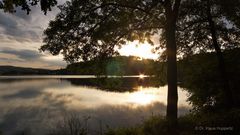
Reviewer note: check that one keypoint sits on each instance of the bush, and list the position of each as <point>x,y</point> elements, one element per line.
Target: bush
<point>71,125</point>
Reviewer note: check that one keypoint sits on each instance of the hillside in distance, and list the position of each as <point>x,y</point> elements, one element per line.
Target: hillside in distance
<point>118,65</point>
<point>130,65</point>
<point>12,70</point>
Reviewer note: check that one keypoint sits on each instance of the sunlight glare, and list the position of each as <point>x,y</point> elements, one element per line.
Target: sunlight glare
<point>142,98</point>
<point>141,76</point>
<point>135,48</point>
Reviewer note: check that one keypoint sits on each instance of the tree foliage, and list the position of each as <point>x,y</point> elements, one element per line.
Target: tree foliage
<point>84,30</point>
<point>11,5</point>
<point>120,65</point>
<point>194,34</point>
<point>199,75</point>
<point>208,28</point>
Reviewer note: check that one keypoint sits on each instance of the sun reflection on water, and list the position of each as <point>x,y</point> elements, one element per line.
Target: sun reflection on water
<point>25,99</point>
<point>84,97</point>
<point>142,98</point>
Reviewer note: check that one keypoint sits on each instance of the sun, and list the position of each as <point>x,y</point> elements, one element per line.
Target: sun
<point>141,50</point>
<point>141,76</point>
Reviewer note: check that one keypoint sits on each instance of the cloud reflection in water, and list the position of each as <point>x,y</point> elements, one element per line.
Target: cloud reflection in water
<point>37,104</point>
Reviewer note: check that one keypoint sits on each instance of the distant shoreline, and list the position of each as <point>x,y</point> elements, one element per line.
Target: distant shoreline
<point>69,76</point>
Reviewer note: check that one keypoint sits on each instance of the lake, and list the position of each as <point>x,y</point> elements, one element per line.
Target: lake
<point>36,104</point>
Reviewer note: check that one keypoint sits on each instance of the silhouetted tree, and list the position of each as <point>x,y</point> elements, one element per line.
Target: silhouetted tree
<point>85,30</point>
<point>199,76</point>
<point>203,26</point>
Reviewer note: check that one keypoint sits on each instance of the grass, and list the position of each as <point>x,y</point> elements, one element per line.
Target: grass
<point>202,123</point>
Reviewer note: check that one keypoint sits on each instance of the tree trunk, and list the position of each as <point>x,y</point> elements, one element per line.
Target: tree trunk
<point>171,75</point>
<point>172,99</point>
<point>221,64</point>
<point>171,14</point>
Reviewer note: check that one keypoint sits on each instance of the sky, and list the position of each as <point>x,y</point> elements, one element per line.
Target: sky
<point>21,38</point>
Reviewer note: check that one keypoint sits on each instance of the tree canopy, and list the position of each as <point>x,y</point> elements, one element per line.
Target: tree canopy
<point>194,34</point>
<point>84,30</point>
<point>205,26</point>
<point>11,5</point>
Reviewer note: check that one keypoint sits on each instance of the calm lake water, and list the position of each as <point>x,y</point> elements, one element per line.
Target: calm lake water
<point>36,104</point>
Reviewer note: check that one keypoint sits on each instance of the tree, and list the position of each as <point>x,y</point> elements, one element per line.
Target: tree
<point>203,26</point>
<point>10,5</point>
<point>203,81</point>
<point>86,30</point>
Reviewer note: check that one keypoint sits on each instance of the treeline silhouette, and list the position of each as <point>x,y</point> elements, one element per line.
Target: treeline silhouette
<point>12,70</point>
<point>119,65</point>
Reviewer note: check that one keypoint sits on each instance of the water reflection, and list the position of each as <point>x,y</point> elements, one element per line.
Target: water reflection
<point>142,97</point>
<point>116,84</point>
<point>36,104</point>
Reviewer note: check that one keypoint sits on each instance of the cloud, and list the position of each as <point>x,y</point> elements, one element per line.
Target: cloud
<point>21,36</point>
<point>23,54</point>
<point>26,28</point>
<point>25,94</point>
<point>29,58</point>
<point>18,29</point>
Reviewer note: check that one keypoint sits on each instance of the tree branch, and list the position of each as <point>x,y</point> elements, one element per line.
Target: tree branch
<point>117,5</point>
<point>176,8</point>
<point>193,23</point>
